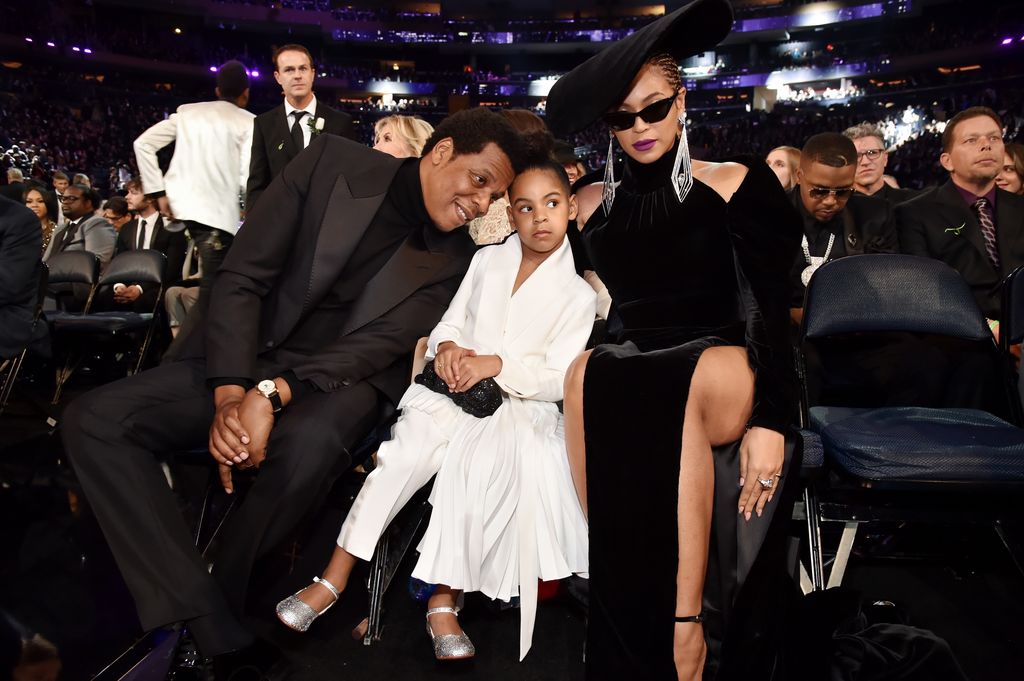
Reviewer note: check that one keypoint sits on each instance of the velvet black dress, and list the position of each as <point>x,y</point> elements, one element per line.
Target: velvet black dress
<point>684,277</point>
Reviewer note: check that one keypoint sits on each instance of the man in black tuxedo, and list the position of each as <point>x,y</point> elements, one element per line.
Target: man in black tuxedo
<point>20,244</point>
<point>969,223</point>
<point>146,231</point>
<point>872,157</point>
<point>281,133</point>
<point>352,256</point>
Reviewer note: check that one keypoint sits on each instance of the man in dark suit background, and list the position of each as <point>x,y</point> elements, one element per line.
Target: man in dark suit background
<point>872,157</point>
<point>352,256</point>
<point>146,231</point>
<point>968,222</point>
<point>281,133</point>
<point>837,222</point>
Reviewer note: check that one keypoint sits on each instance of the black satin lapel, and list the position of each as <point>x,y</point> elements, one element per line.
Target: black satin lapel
<point>342,225</point>
<point>407,270</point>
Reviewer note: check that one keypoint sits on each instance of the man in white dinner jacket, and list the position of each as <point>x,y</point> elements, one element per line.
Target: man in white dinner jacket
<point>208,172</point>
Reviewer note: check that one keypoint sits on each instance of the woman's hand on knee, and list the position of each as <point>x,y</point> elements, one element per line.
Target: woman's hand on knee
<point>762,453</point>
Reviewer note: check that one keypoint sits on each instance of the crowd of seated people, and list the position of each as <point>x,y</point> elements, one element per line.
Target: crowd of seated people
<point>833,165</point>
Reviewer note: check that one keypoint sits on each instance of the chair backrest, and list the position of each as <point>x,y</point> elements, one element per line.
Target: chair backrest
<point>73,267</point>
<point>890,293</point>
<point>135,267</point>
<point>1011,325</point>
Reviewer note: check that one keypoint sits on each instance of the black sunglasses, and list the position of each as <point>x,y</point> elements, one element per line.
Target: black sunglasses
<point>652,113</point>
<point>838,192</point>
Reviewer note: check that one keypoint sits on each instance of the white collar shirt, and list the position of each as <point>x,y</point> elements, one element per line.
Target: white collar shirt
<point>310,109</point>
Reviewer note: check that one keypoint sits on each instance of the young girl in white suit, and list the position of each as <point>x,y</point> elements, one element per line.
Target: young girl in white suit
<point>505,512</point>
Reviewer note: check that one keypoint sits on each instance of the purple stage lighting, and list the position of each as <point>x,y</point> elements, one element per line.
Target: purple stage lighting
<point>49,44</point>
<point>28,40</point>
<point>1007,41</point>
<point>87,51</point>
<point>213,69</point>
<point>255,73</point>
<point>76,48</point>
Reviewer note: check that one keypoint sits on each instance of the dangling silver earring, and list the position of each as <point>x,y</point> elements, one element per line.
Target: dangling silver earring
<point>608,193</point>
<point>682,175</point>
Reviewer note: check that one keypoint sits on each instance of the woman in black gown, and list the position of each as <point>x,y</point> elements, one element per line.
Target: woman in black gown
<point>696,258</point>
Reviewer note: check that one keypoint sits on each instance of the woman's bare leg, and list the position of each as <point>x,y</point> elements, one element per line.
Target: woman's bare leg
<point>717,409</point>
<point>337,573</point>
<point>575,442</point>
<point>444,623</point>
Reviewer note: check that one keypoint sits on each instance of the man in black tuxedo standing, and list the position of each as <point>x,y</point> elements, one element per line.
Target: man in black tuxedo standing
<point>350,258</point>
<point>281,133</point>
<point>146,231</point>
<point>968,222</point>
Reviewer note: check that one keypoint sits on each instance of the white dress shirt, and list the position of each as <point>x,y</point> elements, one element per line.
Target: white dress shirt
<point>308,120</point>
<point>147,226</point>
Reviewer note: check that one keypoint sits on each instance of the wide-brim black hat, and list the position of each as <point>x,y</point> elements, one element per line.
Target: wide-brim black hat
<point>579,97</point>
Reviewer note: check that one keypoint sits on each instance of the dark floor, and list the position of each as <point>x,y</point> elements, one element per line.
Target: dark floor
<point>58,578</point>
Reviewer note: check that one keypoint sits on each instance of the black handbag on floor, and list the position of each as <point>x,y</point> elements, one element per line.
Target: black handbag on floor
<point>482,400</point>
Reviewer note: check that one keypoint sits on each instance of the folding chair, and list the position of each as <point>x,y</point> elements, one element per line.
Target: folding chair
<point>9,368</point>
<point>904,463</point>
<point>142,267</point>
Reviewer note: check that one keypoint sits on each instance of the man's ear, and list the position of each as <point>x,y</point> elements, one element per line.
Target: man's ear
<point>574,207</point>
<point>947,161</point>
<point>442,151</point>
<point>799,175</point>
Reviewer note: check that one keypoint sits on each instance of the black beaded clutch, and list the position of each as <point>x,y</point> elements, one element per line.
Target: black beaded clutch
<point>482,400</point>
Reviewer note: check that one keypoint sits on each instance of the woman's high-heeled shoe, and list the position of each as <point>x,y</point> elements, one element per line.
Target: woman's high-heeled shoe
<point>297,615</point>
<point>449,646</point>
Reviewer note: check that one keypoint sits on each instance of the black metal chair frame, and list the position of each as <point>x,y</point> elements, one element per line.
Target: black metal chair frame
<point>836,497</point>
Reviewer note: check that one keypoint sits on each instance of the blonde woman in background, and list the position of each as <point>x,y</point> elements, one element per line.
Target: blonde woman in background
<point>784,161</point>
<point>401,136</point>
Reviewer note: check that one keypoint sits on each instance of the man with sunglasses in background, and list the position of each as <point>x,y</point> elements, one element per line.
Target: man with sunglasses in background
<point>837,222</point>
<point>872,157</point>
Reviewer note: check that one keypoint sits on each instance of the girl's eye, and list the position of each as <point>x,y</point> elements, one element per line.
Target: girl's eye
<point>552,203</point>
<point>524,209</point>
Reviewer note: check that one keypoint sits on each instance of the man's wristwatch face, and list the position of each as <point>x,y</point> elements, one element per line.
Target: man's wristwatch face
<point>266,387</point>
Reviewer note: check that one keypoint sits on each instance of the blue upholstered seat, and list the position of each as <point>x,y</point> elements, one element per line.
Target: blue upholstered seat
<point>920,444</point>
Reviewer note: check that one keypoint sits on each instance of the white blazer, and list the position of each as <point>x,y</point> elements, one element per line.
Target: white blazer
<point>210,168</point>
<point>537,332</point>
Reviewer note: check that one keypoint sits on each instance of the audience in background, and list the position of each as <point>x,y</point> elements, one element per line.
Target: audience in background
<point>115,210</point>
<point>401,136</point>
<point>969,223</point>
<point>44,204</point>
<point>82,179</point>
<point>281,133</point>
<point>83,229</point>
<point>784,162</point>
<point>1011,178</point>
<point>872,158</point>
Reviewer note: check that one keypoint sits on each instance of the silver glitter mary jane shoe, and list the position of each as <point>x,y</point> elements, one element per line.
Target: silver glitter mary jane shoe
<point>449,646</point>
<point>296,614</point>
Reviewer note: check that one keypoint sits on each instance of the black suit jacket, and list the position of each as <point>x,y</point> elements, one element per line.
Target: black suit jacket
<point>273,147</point>
<point>939,224</point>
<point>171,244</point>
<point>287,257</point>
<point>21,244</point>
<point>893,195</point>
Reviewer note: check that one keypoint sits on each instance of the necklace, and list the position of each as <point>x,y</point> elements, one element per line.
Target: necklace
<point>814,262</point>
